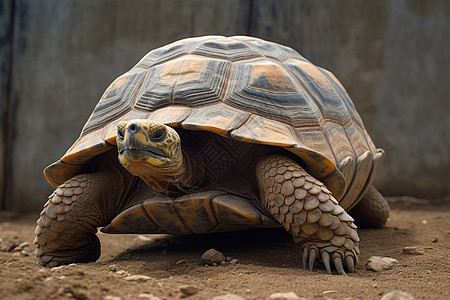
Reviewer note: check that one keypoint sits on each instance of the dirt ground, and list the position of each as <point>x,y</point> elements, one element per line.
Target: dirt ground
<point>268,262</point>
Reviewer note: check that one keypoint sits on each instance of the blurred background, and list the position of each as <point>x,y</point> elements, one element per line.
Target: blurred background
<point>58,56</point>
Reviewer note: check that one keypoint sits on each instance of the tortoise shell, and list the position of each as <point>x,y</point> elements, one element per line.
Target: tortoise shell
<point>242,88</point>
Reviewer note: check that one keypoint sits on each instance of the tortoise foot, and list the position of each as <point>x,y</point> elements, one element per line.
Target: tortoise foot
<point>329,254</point>
<point>372,211</point>
<point>66,229</point>
<point>88,253</point>
<point>308,210</point>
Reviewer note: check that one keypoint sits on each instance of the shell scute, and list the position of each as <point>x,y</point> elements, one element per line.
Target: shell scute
<point>163,213</point>
<point>218,118</point>
<point>170,115</point>
<point>233,212</point>
<point>188,81</point>
<point>284,101</point>
<point>203,212</point>
<point>337,137</point>
<point>226,48</point>
<point>165,53</point>
<point>324,95</point>
<point>363,169</point>
<point>268,49</point>
<point>116,100</point>
<point>196,211</point>
<point>265,131</point>
<point>87,146</point>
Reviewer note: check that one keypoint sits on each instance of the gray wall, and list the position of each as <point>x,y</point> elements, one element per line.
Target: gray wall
<point>58,56</point>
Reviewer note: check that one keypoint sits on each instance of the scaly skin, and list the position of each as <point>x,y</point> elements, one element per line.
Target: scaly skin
<point>66,229</point>
<point>308,210</point>
<point>372,211</point>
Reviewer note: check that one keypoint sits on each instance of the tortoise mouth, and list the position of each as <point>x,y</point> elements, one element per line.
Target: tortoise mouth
<point>133,154</point>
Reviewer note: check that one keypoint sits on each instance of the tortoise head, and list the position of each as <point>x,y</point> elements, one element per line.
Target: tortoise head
<point>150,150</point>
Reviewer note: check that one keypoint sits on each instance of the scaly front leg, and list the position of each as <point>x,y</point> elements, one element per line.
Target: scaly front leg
<point>308,210</point>
<point>65,231</point>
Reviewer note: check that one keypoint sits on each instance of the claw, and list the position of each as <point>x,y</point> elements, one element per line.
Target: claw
<point>326,261</point>
<point>312,258</point>
<point>305,257</point>
<point>350,264</point>
<point>338,265</point>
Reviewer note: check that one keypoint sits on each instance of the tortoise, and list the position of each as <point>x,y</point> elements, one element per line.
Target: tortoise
<point>212,134</point>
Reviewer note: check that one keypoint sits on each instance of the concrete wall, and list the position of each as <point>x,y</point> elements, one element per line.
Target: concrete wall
<point>57,57</point>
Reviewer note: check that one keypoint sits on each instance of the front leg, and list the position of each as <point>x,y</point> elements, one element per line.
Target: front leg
<point>66,229</point>
<point>308,210</point>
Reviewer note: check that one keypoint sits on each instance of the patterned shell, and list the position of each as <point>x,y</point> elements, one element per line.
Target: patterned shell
<point>243,88</point>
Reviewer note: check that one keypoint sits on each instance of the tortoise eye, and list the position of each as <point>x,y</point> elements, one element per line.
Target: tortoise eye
<point>120,135</point>
<point>158,136</point>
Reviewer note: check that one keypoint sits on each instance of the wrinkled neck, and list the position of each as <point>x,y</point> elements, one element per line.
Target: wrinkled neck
<point>180,176</point>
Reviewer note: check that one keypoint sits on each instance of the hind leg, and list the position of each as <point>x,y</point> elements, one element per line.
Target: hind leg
<point>372,211</point>
<point>308,210</point>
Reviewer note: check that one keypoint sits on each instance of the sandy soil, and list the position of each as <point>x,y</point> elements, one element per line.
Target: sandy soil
<point>268,262</point>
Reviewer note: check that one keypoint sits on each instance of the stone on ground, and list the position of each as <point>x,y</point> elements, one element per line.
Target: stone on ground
<point>397,295</point>
<point>377,263</point>
<point>212,256</point>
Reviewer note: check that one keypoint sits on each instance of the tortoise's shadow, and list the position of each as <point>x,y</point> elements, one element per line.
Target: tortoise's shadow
<point>265,247</point>
<point>261,247</point>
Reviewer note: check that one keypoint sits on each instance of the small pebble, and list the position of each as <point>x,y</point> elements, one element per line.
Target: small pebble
<point>24,253</point>
<point>148,296</point>
<point>112,268</point>
<point>122,272</point>
<point>329,292</point>
<point>234,261</point>
<point>412,250</point>
<point>377,263</point>
<point>212,256</point>
<point>397,295</point>
<point>138,278</point>
<point>112,298</point>
<point>285,296</point>
<point>228,297</point>
<point>145,238</point>
<point>24,244</point>
<point>189,290</point>
<point>434,240</point>
<point>49,282</point>
<point>182,261</point>
<point>44,271</point>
